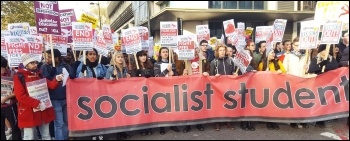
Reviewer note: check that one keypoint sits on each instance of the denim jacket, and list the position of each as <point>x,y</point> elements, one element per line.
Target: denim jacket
<point>100,71</point>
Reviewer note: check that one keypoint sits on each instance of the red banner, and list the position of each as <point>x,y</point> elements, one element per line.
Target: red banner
<point>104,106</point>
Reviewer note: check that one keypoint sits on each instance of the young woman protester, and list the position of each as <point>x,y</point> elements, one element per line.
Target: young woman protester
<point>170,70</point>
<point>273,64</point>
<point>117,70</point>
<point>145,70</point>
<point>316,65</point>
<point>221,65</point>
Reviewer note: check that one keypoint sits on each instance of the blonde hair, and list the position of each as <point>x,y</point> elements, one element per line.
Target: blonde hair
<point>113,63</point>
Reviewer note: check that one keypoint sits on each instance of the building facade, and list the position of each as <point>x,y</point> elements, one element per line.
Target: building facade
<point>125,14</point>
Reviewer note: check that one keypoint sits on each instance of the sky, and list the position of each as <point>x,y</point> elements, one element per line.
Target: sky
<point>78,6</point>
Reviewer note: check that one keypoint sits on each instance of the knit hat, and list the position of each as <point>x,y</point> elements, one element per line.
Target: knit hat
<point>27,58</point>
<point>321,48</point>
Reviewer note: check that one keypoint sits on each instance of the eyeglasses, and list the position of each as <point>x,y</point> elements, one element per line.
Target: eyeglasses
<point>34,62</point>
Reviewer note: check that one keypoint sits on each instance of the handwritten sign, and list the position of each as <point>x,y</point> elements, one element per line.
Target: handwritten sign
<point>308,35</point>
<point>278,29</point>
<point>242,59</point>
<point>331,32</point>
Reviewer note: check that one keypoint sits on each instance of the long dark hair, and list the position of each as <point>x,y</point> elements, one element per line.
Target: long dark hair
<point>160,53</point>
<point>251,52</point>
<point>274,61</point>
<point>147,64</point>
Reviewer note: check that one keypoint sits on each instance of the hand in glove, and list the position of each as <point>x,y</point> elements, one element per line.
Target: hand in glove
<point>53,72</point>
<point>99,78</point>
<point>324,62</point>
<point>83,68</point>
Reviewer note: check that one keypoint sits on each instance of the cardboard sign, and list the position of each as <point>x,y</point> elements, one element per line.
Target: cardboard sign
<point>309,33</point>
<point>331,32</point>
<point>131,40</point>
<point>168,34</point>
<point>229,27</point>
<point>82,36</point>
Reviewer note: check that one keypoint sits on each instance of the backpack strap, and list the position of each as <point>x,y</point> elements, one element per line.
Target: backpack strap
<point>21,78</point>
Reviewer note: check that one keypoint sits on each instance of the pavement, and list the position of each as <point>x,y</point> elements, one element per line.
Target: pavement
<point>335,130</point>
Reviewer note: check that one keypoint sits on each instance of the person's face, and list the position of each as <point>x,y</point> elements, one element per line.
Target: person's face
<point>271,55</point>
<point>229,52</point>
<point>263,47</point>
<point>204,46</point>
<point>222,52</point>
<point>91,56</point>
<point>119,59</point>
<point>287,46</point>
<point>68,58</point>
<point>164,53</point>
<point>296,46</point>
<point>143,58</point>
<point>251,46</point>
<point>336,49</point>
<point>48,58</point>
<point>32,65</point>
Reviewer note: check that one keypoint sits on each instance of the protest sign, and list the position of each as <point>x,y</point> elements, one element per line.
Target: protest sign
<point>242,59</point>
<point>33,30</point>
<point>3,45</point>
<point>229,27</point>
<point>262,32</point>
<point>108,38</point>
<point>35,45</point>
<point>143,103</point>
<point>150,49</point>
<point>6,87</point>
<point>186,47</point>
<point>234,39</point>
<point>278,29</point>
<point>58,42</point>
<point>143,31</point>
<point>18,29</point>
<point>240,30</point>
<point>331,10</point>
<point>131,40</point>
<point>82,36</point>
<point>269,43</point>
<point>15,48</point>
<point>309,33</point>
<point>331,32</point>
<point>67,16</point>
<point>168,34</point>
<point>38,90</point>
<point>202,32</point>
<point>101,46</point>
<point>89,18</point>
<point>47,17</point>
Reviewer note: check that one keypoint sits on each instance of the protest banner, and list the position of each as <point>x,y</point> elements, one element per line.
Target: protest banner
<point>38,90</point>
<point>6,87</point>
<point>47,17</point>
<point>18,29</point>
<point>35,45</point>
<point>67,16</point>
<point>229,27</point>
<point>168,34</point>
<point>262,32</point>
<point>174,101</point>
<point>309,33</point>
<point>82,36</point>
<point>101,46</point>
<point>3,44</point>
<point>143,31</point>
<point>15,48</point>
<point>240,31</point>
<point>331,10</point>
<point>279,27</point>
<point>108,37</point>
<point>186,47</point>
<point>242,59</point>
<point>33,30</point>
<point>131,40</point>
<point>202,32</point>
<point>331,32</point>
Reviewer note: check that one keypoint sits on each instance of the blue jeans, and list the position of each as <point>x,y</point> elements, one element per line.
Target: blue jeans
<point>61,122</point>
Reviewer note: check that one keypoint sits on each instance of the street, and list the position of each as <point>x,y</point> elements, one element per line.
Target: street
<point>335,130</point>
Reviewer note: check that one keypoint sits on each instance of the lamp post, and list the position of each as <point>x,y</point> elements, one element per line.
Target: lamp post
<point>99,12</point>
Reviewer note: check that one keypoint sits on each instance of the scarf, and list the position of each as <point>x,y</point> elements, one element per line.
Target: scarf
<point>297,53</point>
<point>92,65</point>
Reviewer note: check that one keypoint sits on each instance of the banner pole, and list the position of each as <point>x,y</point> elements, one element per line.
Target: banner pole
<point>99,59</point>
<point>84,58</point>
<point>307,53</point>
<point>327,51</point>
<point>52,54</point>
<point>136,62</point>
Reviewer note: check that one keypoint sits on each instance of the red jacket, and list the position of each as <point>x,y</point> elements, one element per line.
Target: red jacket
<point>26,117</point>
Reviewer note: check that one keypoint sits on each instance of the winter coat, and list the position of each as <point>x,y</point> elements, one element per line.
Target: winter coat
<point>100,71</point>
<point>110,73</point>
<point>223,66</point>
<point>344,61</point>
<point>294,65</point>
<point>159,73</point>
<point>26,117</point>
<point>316,68</point>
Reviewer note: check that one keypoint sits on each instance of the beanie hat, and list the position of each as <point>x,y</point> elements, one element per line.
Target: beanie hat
<point>321,48</point>
<point>27,58</point>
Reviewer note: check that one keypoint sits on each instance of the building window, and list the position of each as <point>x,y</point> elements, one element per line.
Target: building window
<point>216,29</point>
<point>236,5</point>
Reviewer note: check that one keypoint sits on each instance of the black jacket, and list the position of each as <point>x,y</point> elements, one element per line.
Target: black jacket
<point>223,66</point>
<point>316,68</point>
<point>345,58</point>
<point>159,73</point>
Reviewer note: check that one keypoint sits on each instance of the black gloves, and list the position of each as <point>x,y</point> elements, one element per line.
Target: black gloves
<point>99,78</point>
<point>83,68</point>
<point>53,72</point>
<point>324,62</point>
